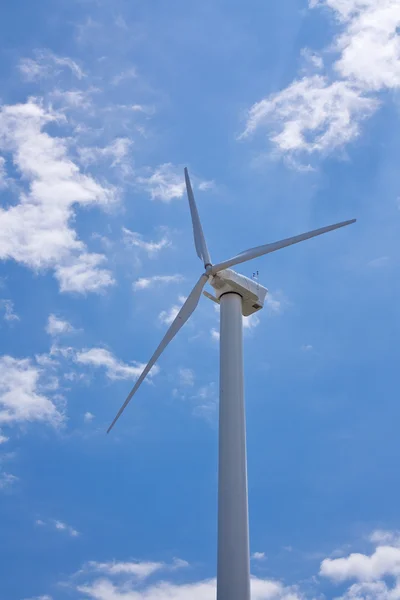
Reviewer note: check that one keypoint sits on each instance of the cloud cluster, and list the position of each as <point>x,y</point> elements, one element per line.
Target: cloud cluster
<point>374,576</point>
<point>21,394</point>
<point>128,581</point>
<point>319,113</point>
<point>36,231</point>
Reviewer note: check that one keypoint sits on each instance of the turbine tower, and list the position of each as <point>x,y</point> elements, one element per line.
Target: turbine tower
<point>238,296</point>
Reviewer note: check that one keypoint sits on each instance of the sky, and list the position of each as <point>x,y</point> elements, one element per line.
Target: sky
<point>287,116</point>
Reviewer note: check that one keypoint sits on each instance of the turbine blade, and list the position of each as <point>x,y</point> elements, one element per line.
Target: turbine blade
<point>181,318</point>
<point>199,239</point>
<point>267,248</point>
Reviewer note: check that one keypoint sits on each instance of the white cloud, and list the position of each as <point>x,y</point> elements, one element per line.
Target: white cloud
<point>48,65</point>
<point>57,525</point>
<point>115,369</point>
<point>312,114</point>
<point>251,322</point>
<point>131,238</point>
<point>7,480</point>
<point>258,556</point>
<point>116,153</point>
<point>140,570</point>
<point>56,326</point>
<point>165,183</point>
<point>72,98</point>
<point>3,173</point>
<point>378,590</point>
<point>378,263</point>
<point>60,526</point>
<point>186,377</point>
<point>370,43</point>
<point>204,186</point>
<point>36,231</point>
<point>20,396</point>
<point>45,597</point>
<point>306,347</point>
<point>312,58</point>
<point>384,561</point>
<point>320,113</point>
<point>382,537</point>
<point>8,307</point>
<point>144,283</point>
<point>84,275</point>
<point>168,316</point>
<point>88,417</point>
<point>275,303</point>
<point>105,589</point>
<point>206,401</point>
<point>215,334</point>
<point>124,75</point>
<point>3,439</point>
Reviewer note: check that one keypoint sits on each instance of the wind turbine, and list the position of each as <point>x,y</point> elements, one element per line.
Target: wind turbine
<point>237,296</point>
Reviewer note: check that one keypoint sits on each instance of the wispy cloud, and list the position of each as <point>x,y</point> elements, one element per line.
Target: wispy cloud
<point>186,377</point>
<point>206,401</point>
<point>46,64</point>
<point>88,417</point>
<point>378,263</point>
<point>124,75</point>
<point>276,303</point>
<point>7,480</point>
<point>114,368</point>
<point>164,183</point>
<point>8,307</point>
<point>258,556</point>
<point>306,348</point>
<point>134,239</point>
<point>58,525</point>
<point>145,283</point>
<point>116,154</point>
<point>3,173</point>
<point>168,316</point>
<point>56,326</point>
<point>215,334</point>
<point>251,322</point>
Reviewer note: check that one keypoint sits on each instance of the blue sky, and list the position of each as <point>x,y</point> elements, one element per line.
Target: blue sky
<point>287,116</point>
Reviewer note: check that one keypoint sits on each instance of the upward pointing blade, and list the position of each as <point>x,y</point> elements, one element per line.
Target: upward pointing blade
<point>199,240</point>
<point>181,318</point>
<point>267,248</point>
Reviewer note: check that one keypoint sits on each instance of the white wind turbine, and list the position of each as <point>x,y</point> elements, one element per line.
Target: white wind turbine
<point>237,296</point>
